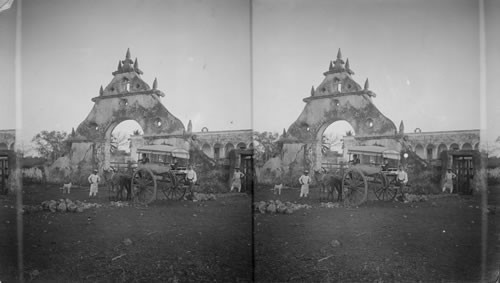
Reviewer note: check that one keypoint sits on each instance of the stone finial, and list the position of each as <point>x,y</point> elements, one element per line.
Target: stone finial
<point>367,84</point>
<point>348,68</point>
<point>127,55</point>
<point>338,64</point>
<point>284,132</point>
<point>330,68</point>
<point>312,91</point>
<point>136,67</point>
<point>119,65</point>
<point>155,84</point>
<point>73,132</point>
<point>101,91</point>
<point>190,127</point>
<point>401,127</point>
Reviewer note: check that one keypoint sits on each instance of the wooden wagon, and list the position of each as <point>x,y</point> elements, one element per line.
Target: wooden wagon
<point>165,169</point>
<point>365,171</point>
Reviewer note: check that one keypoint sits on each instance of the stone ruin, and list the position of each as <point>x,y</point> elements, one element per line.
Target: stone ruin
<point>126,97</point>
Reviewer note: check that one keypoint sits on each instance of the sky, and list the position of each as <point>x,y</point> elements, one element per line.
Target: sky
<point>227,64</point>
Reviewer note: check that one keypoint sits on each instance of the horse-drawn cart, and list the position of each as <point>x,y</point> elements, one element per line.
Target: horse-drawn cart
<point>366,171</point>
<point>160,167</point>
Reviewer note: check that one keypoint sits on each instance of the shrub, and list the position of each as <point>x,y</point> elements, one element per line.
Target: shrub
<point>424,182</point>
<point>493,176</point>
<point>214,181</point>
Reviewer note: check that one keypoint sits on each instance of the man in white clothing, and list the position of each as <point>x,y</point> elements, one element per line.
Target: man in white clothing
<point>401,180</point>
<point>304,181</point>
<point>448,180</point>
<point>236,183</point>
<point>94,179</point>
<point>191,178</point>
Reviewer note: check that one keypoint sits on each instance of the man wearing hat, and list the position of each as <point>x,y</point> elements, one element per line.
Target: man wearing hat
<point>448,180</point>
<point>94,180</point>
<point>236,183</point>
<point>304,181</point>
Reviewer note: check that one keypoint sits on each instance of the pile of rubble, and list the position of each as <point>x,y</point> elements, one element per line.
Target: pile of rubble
<point>330,204</point>
<point>276,206</point>
<point>118,203</point>
<point>415,198</point>
<point>203,197</point>
<point>62,205</point>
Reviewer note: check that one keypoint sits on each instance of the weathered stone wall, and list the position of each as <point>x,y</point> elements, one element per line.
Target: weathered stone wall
<point>224,140</point>
<point>441,141</point>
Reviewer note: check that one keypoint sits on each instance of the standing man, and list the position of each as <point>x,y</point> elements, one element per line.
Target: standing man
<point>448,180</point>
<point>94,179</point>
<point>304,181</point>
<point>236,183</point>
<point>191,178</point>
<point>401,180</point>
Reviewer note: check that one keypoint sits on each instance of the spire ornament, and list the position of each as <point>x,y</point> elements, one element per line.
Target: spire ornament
<point>348,68</point>
<point>101,91</point>
<point>155,84</point>
<point>312,91</point>
<point>136,67</point>
<point>367,84</point>
<point>338,65</point>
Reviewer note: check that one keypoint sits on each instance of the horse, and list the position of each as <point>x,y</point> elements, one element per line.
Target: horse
<point>117,183</point>
<point>328,183</point>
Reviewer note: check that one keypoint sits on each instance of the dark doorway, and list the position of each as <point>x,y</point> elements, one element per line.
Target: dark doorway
<point>4,173</point>
<point>463,166</point>
<point>248,170</point>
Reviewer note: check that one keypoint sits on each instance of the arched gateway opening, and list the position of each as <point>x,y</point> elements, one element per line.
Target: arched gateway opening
<point>330,143</point>
<point>122,141</point>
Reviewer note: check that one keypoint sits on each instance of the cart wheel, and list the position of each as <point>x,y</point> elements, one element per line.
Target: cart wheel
<point>354,187</point>
<point>383,189</point>
<point>144,185</point>
<point>172,188</point>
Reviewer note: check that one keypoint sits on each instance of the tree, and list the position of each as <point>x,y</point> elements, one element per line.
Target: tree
<point>51,145</point>
<point>118,140</point>
<point>265,145</point>
<point>327,143</point>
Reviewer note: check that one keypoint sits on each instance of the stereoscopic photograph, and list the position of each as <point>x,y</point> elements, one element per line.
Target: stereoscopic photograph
<point>249,141</point>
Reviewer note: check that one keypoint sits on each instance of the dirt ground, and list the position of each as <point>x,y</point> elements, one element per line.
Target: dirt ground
<point>182,241</point>
<point>433,241</point>
<point>171,241</point>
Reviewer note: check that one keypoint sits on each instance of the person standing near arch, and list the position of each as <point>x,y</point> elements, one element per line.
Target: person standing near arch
<point>448,180</point>
<point>304,181</point>
<point>94,180</point>
<point>236,183</point>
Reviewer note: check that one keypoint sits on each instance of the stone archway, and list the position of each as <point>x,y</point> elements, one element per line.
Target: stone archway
<point>337,98</point>
<point>419,150</point>
<point>442,147</point>
<point>126,97</point>
<point>466,146</point>
<point>207,149</point>
<point>229,146</point>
